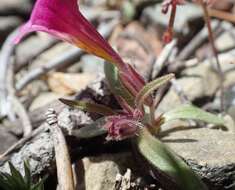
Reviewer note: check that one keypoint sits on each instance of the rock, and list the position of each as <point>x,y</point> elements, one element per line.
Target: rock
<point>224,42</point>
<point>92,64</point>
<point>39,152</point>
<point>201,81</point>
<point>230,97</point>
<point>50,54</point>
<point>68,83</point>
<point>30,48</point>
<point>170,101</point>
<point>209,152</point>
<point>43,99</point>
<point>185,14</point>
<point>193,87</point>
<point>100,172</point>
<point>95,3</point>
<point>7,24</point>
<point>88,64</point>
<point>11,7</point>
<point>6,139</point>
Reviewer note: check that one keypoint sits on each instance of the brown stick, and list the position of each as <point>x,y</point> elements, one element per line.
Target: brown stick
<point>222,15</point>
<point>63,162</point>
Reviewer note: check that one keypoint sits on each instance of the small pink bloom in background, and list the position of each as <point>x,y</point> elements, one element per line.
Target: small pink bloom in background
<point>167,3</point>
<point>62,18</point>
<point>167,36</point>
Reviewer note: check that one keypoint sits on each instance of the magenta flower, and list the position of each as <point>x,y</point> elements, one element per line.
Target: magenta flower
<point>62,18</point>
<point>124,125</point>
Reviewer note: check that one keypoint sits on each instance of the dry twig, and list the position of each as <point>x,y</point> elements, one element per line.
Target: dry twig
<point>212,42</point>
<point>163,58</point>
<point>5,63</point>
<point>63,162</point>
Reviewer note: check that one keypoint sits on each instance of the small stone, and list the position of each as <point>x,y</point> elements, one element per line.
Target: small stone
<point>43,99</point>
<point>101,171</point>
<point>69,83</point>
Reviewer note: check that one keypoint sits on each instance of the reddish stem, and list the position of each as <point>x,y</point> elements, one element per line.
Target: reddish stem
<point>167,38</point>
<point>212,42</point>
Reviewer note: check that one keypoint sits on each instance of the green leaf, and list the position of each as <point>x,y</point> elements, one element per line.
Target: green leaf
<point>27,177</point>
<point>4,184</point>
<point>89,107</point>
<point>39,185</point>
<point>116,87</point>
<point>16,176</point>
<point>91,130</point>
<point>191,112</point>
<point>149,88</point>
<point>15,181</point>
<point>10,180</point>
<point>165,160</point>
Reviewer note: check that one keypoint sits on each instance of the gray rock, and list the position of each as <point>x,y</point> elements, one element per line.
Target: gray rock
<point>8,24</point>
<point>92,64</point>
<point>198,82</point>
<point>50,54</point>
<point>184,14</point>
<point>43,99</point>
<point>101,171</point>
<point>194,87</point>
<point>209,152</point>
<point>225,42</point>
<point>6,139</point>
<point>31,48</point>
<point>40,150</point>
<point>15,7</point>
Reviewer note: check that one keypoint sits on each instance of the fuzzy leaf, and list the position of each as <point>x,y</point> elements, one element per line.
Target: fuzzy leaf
<point>91,130</point>
<point>89,107</point>
<point>165,160</point>
<point>149,88</point>
<point>191,112</point>
<point>116,87</point>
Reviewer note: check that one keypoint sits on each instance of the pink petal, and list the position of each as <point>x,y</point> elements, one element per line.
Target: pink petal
<point>62,18</point>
